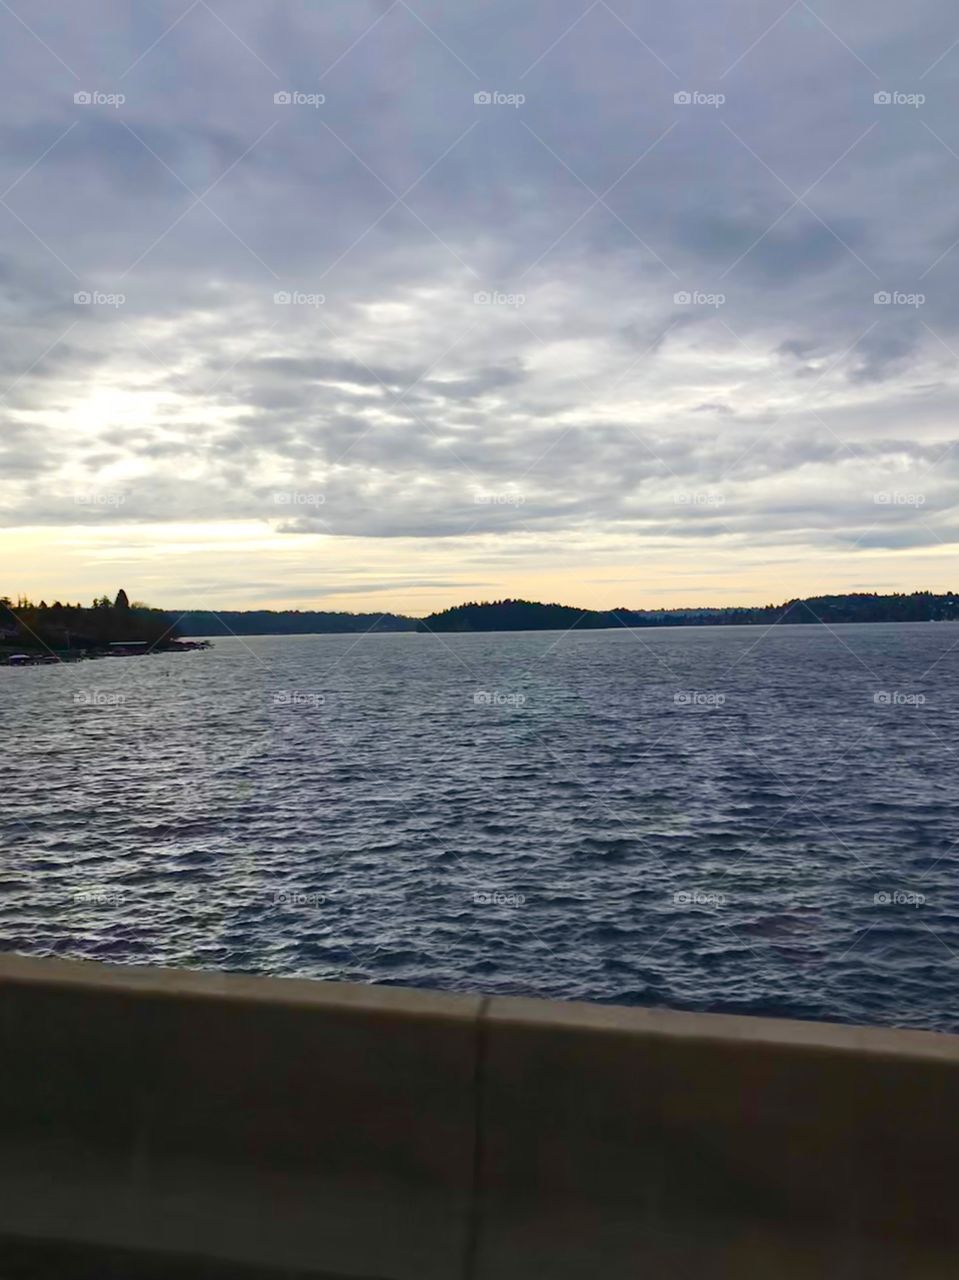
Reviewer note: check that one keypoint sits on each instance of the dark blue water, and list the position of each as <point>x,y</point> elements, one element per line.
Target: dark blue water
<point>725,819</point>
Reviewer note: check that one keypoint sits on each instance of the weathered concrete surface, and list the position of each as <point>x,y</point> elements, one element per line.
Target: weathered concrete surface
<point>285,1124</point>
<point>636,1142</point>
<point>328,1130</point>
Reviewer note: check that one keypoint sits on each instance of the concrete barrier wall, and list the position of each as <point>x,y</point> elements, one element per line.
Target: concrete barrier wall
<point>324,1129</point>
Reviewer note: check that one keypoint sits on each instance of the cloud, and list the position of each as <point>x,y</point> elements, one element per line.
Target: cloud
<point>453,319</point>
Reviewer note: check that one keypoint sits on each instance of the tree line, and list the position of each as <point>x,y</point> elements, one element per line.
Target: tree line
<point>62,627</point>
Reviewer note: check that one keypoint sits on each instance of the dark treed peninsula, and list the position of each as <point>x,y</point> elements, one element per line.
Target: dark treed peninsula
<point>61,631</point>
<point>525,615</point>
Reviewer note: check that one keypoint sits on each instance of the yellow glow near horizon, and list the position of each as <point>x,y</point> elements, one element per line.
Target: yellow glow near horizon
<point>247,565</point>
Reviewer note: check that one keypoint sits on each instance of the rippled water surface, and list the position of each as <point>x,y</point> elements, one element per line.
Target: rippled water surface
<point>722,818</point>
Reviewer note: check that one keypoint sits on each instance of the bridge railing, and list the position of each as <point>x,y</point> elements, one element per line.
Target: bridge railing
<point>326,1129</point>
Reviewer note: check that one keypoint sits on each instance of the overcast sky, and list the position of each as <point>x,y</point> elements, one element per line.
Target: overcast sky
<point>390,305</point>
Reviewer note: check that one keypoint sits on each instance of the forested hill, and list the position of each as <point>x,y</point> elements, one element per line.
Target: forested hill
<point>516,615</point>
<point>526,615</point>
<point>287,622</point>
<point>62,627</point>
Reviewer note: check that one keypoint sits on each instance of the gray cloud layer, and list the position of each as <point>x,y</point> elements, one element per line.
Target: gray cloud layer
<point>601,309</point>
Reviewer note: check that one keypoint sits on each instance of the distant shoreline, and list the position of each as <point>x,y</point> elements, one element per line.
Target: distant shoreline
<point>714,626</point>
<point>35,633</point>
<point>39,657</point>
<point>527,615</point>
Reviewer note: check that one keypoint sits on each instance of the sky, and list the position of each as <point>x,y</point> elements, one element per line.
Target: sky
<point>376,305</point>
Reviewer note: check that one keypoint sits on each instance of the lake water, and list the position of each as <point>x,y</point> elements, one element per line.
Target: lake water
<point>724,819</point>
